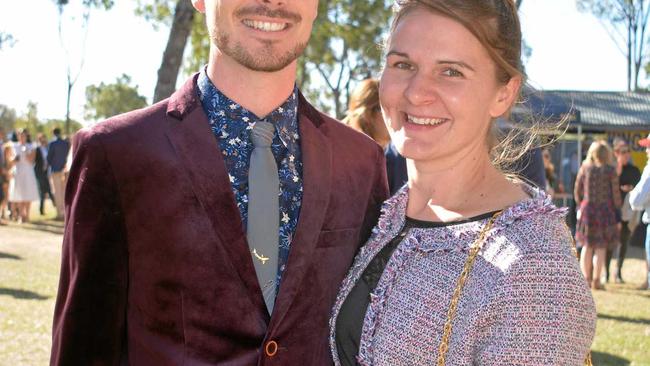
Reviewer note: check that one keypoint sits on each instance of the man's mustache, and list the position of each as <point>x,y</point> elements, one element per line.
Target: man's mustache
<point>269,13</point>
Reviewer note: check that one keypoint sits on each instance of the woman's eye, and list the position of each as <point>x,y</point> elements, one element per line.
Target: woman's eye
<point>402,65</point>
<point>452,72</point>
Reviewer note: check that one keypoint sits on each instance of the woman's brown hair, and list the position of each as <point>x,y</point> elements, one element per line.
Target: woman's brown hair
<point>364,110</point>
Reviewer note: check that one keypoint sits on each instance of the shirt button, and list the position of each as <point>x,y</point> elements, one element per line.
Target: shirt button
<point>271,348</point>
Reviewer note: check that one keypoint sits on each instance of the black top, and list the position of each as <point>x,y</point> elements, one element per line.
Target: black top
<point>629,175</point>
<point>350,319</point>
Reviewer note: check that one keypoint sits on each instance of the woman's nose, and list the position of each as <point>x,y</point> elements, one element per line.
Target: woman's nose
<point>420,90</point>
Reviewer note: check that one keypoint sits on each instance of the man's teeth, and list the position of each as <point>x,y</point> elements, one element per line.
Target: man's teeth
<point>265,26</point>
<point>426,121</point>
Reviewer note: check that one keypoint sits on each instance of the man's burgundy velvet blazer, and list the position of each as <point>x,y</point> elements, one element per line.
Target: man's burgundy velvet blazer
<point>156,269</point>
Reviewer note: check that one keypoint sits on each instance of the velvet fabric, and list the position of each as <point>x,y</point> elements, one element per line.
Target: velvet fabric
<point>156,268</point>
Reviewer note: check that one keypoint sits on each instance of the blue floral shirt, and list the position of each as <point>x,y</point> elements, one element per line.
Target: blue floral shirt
<point>232,125</point>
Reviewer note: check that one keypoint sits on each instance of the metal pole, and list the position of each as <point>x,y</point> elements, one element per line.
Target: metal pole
<point>580,144</point>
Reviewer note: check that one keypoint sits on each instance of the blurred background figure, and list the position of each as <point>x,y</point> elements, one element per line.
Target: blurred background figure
<point>550,185</point>
<point>4,182</point>
<point>598,198</point>
<point>57,155</point>
<point>364,113</point>
<point>628,177</point>
<point>23,188</point>
<point>640,200</point>
<point>41,168</point>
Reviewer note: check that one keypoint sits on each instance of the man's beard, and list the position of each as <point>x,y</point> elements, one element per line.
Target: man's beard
<point>266,60</point>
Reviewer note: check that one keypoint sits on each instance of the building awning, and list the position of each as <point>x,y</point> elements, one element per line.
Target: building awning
<point>594,111</point>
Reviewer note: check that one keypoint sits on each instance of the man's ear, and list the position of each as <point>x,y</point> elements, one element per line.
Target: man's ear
<point>199,5</point>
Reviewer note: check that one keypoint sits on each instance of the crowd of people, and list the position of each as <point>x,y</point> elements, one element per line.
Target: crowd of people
<point>30,172</point>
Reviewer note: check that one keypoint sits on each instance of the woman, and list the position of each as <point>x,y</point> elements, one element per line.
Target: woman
<point>549,172</point>
<point>640,200</point>
<point>23,188</point>
<point>628,177</point>
<point>598,199</point>
<point>364,114</point>
<point>465,266</point>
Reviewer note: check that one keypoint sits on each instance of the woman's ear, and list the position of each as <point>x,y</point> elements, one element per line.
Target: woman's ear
<point>506,97</point>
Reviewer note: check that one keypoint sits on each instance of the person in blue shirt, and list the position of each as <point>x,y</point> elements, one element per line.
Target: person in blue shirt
<point>56,159</point>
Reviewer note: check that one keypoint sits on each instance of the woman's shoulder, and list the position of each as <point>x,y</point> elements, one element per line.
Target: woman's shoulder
<point>535,224</point>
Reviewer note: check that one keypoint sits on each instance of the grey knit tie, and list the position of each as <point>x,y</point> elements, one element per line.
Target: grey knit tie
<point>263,211</point>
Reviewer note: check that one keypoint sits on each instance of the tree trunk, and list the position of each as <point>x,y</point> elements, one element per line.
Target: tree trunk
<point>629,56</point>
<point>67,106</point>
<point>173,56</point>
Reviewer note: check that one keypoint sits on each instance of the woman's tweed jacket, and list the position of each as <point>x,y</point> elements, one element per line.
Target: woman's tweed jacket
<point>525,301</point>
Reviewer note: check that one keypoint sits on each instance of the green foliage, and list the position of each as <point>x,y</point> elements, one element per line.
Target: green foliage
<point>156,11</point>
<point>345,46</point>
<point>7,118</point>
<point>48,126</point>
<point>99,4</point>
<point>29,120</point>
<point>161,12</point>
<point>199,52</point>
<point>107,100</point>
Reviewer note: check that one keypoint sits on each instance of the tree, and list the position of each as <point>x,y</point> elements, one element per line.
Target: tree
<point>7,118</point>
<point>73,76</point>
<point>182,21</point>
<point>29,120</point>
<point>344,48</point>
<point>107,100</point>
<point>48,126</point>
<point>626,22</point>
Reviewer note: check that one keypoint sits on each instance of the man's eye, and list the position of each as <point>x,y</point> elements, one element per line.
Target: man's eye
<point>452,72</point>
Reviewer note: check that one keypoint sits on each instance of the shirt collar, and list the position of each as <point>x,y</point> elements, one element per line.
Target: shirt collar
<point>219,108</point>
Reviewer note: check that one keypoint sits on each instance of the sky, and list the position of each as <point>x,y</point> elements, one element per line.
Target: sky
<point>570,51</point>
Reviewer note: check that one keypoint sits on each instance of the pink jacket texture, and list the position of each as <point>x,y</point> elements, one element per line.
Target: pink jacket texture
<point>525,301</point>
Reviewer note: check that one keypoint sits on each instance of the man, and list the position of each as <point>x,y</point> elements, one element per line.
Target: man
<point>57,154</point>
<point>628,177</point>
<point>161,263</point>
<point>41,170</point>
<point>640,201</point>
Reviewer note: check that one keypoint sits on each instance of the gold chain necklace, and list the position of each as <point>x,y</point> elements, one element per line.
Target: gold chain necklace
<point>453,306</point>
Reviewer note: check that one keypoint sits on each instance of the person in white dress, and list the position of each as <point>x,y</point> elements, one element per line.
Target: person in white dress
<point>23,188</point>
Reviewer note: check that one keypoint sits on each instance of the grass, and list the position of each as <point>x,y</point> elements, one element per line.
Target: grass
<point>29,268</point>
<point>29,265</point>
<point>623,332</point>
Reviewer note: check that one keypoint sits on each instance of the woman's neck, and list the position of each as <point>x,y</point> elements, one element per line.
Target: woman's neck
<point>448,192</point>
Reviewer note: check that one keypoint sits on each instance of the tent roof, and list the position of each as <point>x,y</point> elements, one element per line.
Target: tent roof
<point>594,110</point>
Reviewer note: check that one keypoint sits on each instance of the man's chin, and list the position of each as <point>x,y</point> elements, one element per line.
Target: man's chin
<point>265,60</point>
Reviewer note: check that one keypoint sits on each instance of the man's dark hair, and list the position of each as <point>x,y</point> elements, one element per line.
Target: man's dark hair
<point>57,132</point>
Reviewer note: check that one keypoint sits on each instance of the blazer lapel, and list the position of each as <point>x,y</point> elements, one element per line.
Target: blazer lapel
<point>198,150</point>
<point>316,156</point>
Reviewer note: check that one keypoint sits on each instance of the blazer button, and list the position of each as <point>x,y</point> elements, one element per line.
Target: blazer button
<point>271,348</point>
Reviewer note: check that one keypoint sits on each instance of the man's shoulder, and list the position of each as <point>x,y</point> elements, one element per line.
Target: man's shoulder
<point>125,124</point>
<point>341,134</point>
